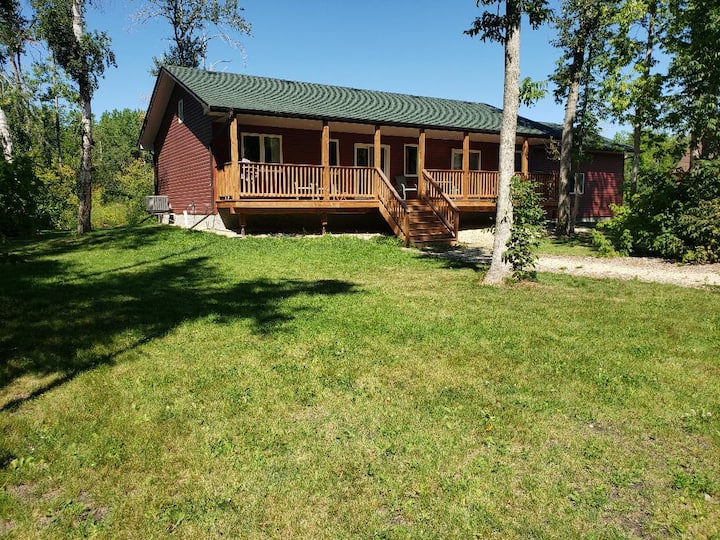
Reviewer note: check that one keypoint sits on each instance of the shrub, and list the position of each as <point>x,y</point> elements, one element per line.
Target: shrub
<point>675,216</point>
<point>19,189</point>
<point>528,222</point>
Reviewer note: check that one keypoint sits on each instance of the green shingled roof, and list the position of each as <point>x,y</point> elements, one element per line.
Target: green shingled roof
<point>261,95</point>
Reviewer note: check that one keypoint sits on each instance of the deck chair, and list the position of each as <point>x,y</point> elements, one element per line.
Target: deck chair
<point>402,186</point>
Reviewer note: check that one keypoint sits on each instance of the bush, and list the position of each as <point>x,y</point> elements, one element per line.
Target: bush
<point>528,222</point>
<point>675,216</point>
<point>19,189</point>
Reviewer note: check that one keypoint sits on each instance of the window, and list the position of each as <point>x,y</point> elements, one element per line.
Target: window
<point>579,187</point>
<point>518,160</point>
<point>457,159</point>
<point>365,156</point>
<point>334,152</point>
<point>181,111</point>
<point>411,160</point>
<point>261,148</point>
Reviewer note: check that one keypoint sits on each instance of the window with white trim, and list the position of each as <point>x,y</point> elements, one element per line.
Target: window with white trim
<point>579,187</point>
<point>334,152</point>
<point>411,160</point>
<point>365,156</point>
<point>457,159</point>
<point>261,148</point>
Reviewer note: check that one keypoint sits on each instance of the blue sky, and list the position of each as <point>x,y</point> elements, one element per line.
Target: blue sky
<point>408,46</point>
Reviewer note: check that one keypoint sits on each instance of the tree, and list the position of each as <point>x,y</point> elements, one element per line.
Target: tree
<point>582,27</point>
<point>195,24</point>
<point>694,74</point>
<point>13,36</point>
<point>505,29</point>
<point>84,56</point>
<point>633,90</point>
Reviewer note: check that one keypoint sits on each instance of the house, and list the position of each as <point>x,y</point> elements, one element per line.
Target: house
<point>228,147</point>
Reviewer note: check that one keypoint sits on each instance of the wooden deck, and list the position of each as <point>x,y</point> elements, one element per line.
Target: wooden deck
<point>272,188</point>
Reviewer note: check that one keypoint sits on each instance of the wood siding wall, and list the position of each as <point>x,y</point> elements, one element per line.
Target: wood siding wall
<point>182,158</point>
<point>603,180</point>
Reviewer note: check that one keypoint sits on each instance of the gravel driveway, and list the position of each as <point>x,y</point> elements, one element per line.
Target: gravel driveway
<point>476,246</point>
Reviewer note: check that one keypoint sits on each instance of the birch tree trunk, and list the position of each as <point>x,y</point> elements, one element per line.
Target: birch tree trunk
<point>6,137</point>
<point>566,144</point>
<point>499,269</point>
<point>85,91</point>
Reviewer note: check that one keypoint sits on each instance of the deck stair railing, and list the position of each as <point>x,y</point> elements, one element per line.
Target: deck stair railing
<point>392,206</point>
<point>440,203</point>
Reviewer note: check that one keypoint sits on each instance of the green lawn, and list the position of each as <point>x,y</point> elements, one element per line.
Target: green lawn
<point>157,381</point>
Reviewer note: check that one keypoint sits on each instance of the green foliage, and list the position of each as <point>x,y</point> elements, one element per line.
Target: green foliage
<point>532,91</point>
<point>194,24</point>
<point>18,197</point>
<point>57,200</point>
<point>126,204</point>
<point>85,61</point>
<point>528,222</point>
<point>491,26</point>
<point>676,216</point>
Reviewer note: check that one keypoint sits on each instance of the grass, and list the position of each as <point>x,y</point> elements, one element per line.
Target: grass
<point>580,245</point>
<point>158,381</point>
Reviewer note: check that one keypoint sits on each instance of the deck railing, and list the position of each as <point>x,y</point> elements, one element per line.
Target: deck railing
<point>237,181</point>
<point>441,203</point>
<point>287,181</point>
<point>484,184</point>
<point>392,206</point>
<point>352,182</point>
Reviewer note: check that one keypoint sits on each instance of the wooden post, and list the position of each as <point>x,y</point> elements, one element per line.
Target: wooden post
<point>378,148</point>
<point>324,222</point>
<point>421,163</point>
<point>234,171</point>
<point>465,189</point>
<point>325,157</point>
<point>242,218</point>
<point>525,158</point>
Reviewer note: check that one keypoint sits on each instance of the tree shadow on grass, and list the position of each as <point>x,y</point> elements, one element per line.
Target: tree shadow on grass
<point>459,257</point>
<point>68,324</point>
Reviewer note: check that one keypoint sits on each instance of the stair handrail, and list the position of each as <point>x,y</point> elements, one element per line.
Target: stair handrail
<point>392,206</point>
<point>441,204</point>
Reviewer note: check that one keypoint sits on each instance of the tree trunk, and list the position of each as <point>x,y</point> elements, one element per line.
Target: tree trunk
<point>6,137</point>
<point>499,269</point>
<point>640,113</point>
<point>85,91</point>
<point>566,144</point>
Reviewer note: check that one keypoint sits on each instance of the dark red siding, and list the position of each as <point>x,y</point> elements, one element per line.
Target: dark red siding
<point>603,180</point>
<point>184,166</point>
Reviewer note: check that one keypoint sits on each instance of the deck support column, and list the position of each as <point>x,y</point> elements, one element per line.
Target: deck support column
<point>421,164</point>
<point>234,157</point>
<point>465,189</point>
<point>377,147</point>
<point>324,222</point>
<point>525,158</point>
<point>325,158</point>
<point>242,218</point>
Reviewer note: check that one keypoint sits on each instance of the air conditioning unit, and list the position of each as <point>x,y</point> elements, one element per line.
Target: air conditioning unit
<point>157,204</point>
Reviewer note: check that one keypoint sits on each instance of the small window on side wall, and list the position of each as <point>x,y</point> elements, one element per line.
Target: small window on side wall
<point>181,111</point>
<point>579,187</point>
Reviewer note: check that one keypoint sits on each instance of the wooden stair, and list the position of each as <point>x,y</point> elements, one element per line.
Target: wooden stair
<point>426,228</point>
